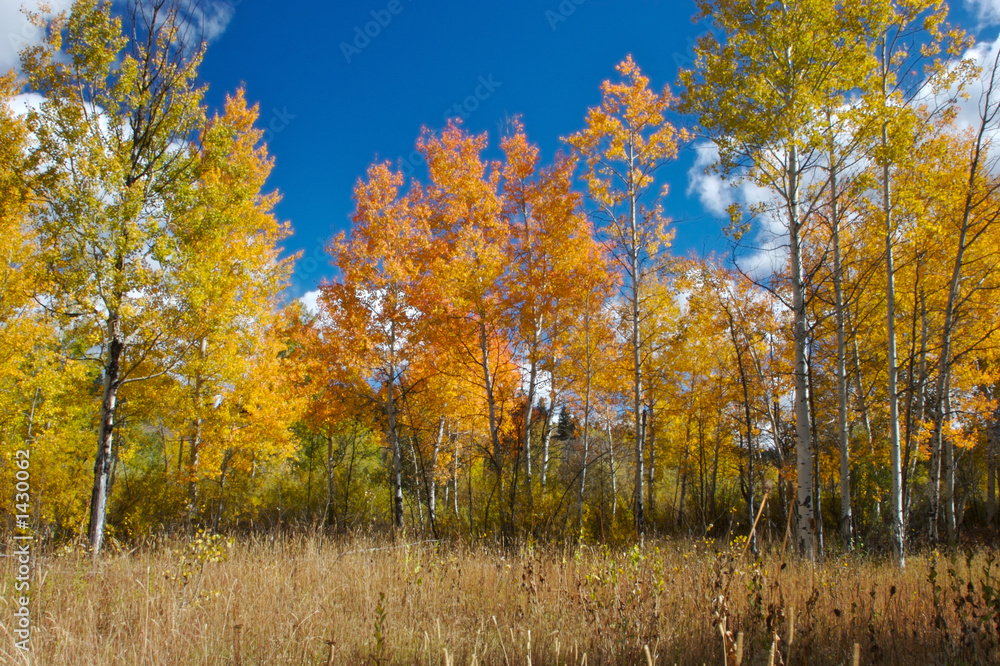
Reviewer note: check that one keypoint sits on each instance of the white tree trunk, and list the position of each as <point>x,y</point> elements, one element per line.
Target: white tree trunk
<point>105,437</point>
<point>803,439</point>
<point>896,497</point>
<point>838,295</point>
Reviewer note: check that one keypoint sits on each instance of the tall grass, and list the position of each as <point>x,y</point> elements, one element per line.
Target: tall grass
<point>313,600</point>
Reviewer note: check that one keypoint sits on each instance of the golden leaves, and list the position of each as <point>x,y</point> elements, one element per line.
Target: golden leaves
<point>628,128</point>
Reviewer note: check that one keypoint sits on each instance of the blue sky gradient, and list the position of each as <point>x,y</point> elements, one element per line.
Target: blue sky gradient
<point>335,98</point>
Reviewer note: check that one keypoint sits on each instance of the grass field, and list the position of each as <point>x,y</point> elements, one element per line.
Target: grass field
<point>312,600</point>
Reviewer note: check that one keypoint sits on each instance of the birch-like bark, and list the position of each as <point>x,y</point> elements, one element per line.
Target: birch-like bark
<point>327,512</point>
<point>649,434</point>
<point>416,484</point>
<point>432,474</point>
<point>611,468</point>
<point>454,472</point>
<point>547,438</point>
<point>528,415</point>
<point>196,438</point>
<point>991,469</point>
<point>702,508</point>
<point>948,469</point>
<point>896,498</point>
<point>350,475</point>
<point>639,517</point>
<point>397,466</point>
<point>105,436</point>
<point>846,535</point>
<point>586,421</point>
<point>817,486</point>
<point>805,528</point>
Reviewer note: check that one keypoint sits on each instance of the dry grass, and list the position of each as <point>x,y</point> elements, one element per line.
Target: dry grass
<point>311,600</point>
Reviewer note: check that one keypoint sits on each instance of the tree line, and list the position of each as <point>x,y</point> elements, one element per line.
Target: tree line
<point>510,349</point>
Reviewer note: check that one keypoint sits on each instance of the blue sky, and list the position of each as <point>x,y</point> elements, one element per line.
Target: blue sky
<point>335,107</point>
<point>333,98</point>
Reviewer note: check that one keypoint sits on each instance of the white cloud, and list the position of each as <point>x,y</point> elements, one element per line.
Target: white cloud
<point>17,32</point>
<point>210,18</point>
<point>984,53</point>
<point>768,257</point>
<point>712,191</point>
<point>768,246</point>
<point>22,103</point>
<point>970,104</point>
<point>309,301</point>
<point>986,11</point>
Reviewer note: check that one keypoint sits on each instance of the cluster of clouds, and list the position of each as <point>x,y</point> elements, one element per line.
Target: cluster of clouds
<point>987,12</point>
<point>18,32</point>
<point>212,17</point>
<point>310,302</point>
<point>985,54</point>
<point>765,249</point>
